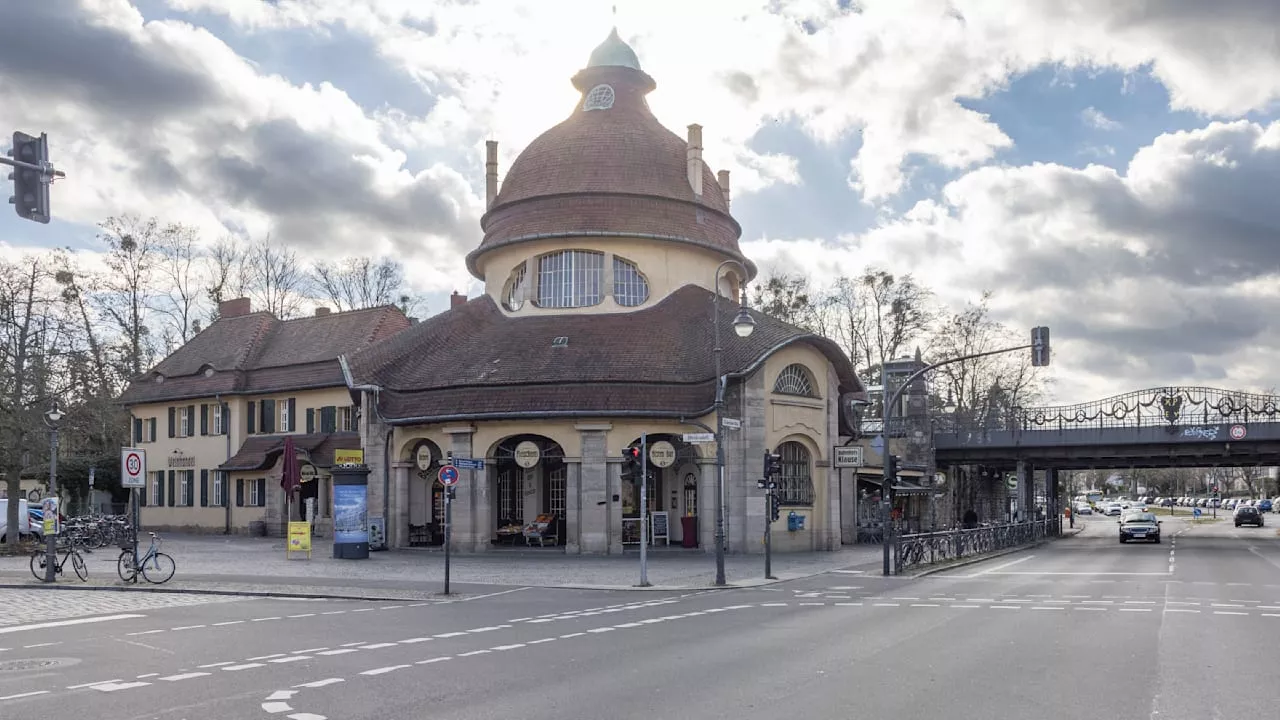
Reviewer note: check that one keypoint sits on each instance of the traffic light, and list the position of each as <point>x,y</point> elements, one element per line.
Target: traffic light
<point>630,460</point>
<point>772,465</point>
<point>30,191</point>
<point>775,509</point>
<point>1040,346</point>
<point>891,462</point>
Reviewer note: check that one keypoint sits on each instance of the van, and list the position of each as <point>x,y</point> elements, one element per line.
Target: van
<point>25,528</point>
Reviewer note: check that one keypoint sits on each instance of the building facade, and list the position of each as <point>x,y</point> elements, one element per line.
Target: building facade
<point>612,276</point>
<point>213,417</point>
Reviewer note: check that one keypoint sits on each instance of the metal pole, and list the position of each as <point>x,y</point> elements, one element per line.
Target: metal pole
<point>133,499</point>
<point>886,482</point>
<point>448,533</point>
<point>51,538</point>
<point>719,406</point>
<point>644,510</point>
<point>769,500</point>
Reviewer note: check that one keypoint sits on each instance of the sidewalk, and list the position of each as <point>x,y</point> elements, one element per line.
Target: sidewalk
<point>252,566</point>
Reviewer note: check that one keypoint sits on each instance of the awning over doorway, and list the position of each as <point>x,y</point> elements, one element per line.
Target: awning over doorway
<point>261,451</point>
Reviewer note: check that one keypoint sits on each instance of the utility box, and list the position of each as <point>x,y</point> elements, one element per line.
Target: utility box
<point>795,521</point>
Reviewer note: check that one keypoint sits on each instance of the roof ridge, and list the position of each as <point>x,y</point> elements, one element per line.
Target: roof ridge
<point>332,313</point>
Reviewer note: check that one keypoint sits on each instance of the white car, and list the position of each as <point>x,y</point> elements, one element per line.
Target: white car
<point>1112,509</point>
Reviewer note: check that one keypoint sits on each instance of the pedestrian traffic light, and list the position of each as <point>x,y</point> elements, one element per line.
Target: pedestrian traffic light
<point>448,457</point>
<point>772,465</point>
<point>1040,346</point>
<point>775,509</point>
<point>630,460</point>
<point>30,189</point>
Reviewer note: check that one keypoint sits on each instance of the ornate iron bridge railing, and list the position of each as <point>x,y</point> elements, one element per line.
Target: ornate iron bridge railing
<point>920,549</point>
<point>1153,407</point>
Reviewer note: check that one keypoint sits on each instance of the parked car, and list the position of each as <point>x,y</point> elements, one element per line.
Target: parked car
<point>1139,526</point>
<point>1264,505</point>
<point>1247,515</point>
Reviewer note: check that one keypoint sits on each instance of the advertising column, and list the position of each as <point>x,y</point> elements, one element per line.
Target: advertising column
<point>350,512</point>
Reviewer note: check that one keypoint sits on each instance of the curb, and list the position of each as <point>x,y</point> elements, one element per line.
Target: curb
<point>991,556</point>
<point>225,593</point>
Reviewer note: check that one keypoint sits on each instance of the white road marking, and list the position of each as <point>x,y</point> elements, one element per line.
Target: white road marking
<point>33,693</point>
<point>384,670</point>
<point>571,635</point>
<point>47,644</point>
<point>340,651</point>
<point>112,687</point>
<point>244,666</point>
<point>504,648</point>
<point>309,651</point>
<point>265,619</point>
<point>1228,612</point>
<point>188,627</point>
<point>1129,609</point>
<point>377,646</point>
<point>1001,566</point>
<point>473,652</point>
<point>1181,610</point>
<point>265,657</point>
<point>543,640</point>
<point>291,658</point>
<point>303,615</point>
<point>411,641</point>
<point>320,683</point>
<point>276,707</point>
<point>925,605</point>
<point>184,676</point>
<point>434,660</point>
<point>282,694</point>
<point>100,682</point>
<point>217,664</point>
<point>66,623</point>
<point>145,632</point>
<point>307,716</point>
<point>1047,607</point>
<point>777,604</point>
<point>496,594</point>
<point>229,622</point>
<point>449,635</point>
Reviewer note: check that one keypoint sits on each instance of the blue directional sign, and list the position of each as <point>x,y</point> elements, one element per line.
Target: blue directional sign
<point>448,476</point>
<point>1196,512</point>
<point>468,463</point>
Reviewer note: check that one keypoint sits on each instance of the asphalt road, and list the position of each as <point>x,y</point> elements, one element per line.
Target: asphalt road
<point>1083,627</point>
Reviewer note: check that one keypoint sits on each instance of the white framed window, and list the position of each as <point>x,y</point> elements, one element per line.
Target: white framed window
<point>570,279</point>
<point>794,380</point>
<point>154,488</point>
<point>630,288</point>
<point>346,419</point>
<point>216,420</point>
<point>513,295</point>
<point>556,491</point>
<point>184,421</point>
<point>599,97</point>
<point>284,416</point>
<point>184,489</point>
<point>254,499</point>
<point>217,500</point>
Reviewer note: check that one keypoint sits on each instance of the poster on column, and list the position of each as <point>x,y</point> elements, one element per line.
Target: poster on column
<point>350,514</point>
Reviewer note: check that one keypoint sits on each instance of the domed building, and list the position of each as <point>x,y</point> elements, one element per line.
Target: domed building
<point>614,289</point>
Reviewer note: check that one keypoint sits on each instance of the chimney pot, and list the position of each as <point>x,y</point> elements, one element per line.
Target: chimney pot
<point>490,172</point>
<point>457,299</point>
<point>321,311</point>
<point>695,158</point>
<point>234,308</point>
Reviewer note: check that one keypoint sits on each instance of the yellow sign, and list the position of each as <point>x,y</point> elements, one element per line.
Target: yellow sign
<point>299,538</point>
<point>348,457</point>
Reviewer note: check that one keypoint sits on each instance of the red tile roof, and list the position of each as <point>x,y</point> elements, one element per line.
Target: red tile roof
<point>475,362</point>
<point>613,171</point>
<point>258,353</point>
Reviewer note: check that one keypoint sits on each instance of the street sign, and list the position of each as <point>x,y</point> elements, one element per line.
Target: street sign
<point>699,437</point>
<point>1238,432</point>
<point>1196,512</point>
<point>448,476</point>
<point>468,463</point>
<point>91,471</point>
<point>732,423</point>
<point>848,456</point>
<point>133,468</point>
<point>1012,482</point>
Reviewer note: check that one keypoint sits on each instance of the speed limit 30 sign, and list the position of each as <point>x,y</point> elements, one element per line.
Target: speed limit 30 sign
<point>133,467</point>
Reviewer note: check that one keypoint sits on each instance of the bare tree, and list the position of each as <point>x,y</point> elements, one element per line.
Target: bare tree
<point>878,317</point>
<point>360,282</point>
<point>226,264</point>
<point>124,291</point>
<point>276,279</point>
<point>789,299</point>
<point>182,280</point>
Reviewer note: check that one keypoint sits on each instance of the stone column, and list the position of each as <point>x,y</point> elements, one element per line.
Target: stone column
<point>613,505</point>
<point>590,529</point>
<point>572,507</point>
<point>398,523</point>
<point>472,516</point>
<point>374,443</point>
<point>1026,491</point>
<point>1051,509</point>
<point>707,504</point>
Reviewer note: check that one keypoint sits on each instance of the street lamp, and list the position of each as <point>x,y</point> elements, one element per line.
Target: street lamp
<point>743,325</point>
<point>52,417</point>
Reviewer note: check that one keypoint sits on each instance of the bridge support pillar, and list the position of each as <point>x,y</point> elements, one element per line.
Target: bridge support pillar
<point>1026,494</point>
<point>1052,506</point>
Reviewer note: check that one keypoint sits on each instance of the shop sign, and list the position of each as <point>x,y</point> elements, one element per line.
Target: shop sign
<point>182,461</point>
<point>423,457</point>
<point>527,454</point>
<point>348,457</point>
<point>848,456</point>
<point>662,454</point>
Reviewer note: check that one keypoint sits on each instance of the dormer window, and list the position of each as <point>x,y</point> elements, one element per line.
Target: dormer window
<point>599,98</point>
<point>570,279</point>
<point>630,288</point>
<point>513,294</point>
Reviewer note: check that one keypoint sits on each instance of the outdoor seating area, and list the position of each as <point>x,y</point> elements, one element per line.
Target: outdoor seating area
<point>546,530</point>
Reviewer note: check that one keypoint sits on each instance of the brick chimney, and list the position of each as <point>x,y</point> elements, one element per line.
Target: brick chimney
<point>234,308</point>
<point>490,172</point>
<point>722,177</point>
<point>695,158</point>
<point>321,311</point>
<point>457,299</point>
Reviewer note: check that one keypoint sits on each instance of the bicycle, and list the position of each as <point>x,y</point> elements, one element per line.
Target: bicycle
<point>39,562</point>
<point>153,561</point>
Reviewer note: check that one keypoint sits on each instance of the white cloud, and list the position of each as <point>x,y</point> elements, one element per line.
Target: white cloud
<point>1093,117</point>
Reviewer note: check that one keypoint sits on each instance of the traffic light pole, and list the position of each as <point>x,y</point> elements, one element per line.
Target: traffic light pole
<point>888,477</point>
<point>769,500</point>
<point>644,510</point>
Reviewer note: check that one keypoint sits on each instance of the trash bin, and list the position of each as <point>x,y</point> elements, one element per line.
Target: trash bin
<point>689,531</point>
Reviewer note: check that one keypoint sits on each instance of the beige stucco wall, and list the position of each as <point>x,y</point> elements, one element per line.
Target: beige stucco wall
<point>667,266</point>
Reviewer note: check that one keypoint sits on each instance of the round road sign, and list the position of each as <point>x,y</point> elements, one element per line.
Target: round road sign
<point>133,464</point>
<point>448,475</point>
<point>1238,432</point>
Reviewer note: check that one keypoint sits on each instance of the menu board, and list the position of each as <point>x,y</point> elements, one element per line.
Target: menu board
<point>660,530</point>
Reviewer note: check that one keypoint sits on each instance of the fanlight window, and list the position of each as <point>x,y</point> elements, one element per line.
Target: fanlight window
<point>600,98</point>
<point>794,380</point>
<point>630,288</point>
<point>513,294</point>
<point>570,279</point>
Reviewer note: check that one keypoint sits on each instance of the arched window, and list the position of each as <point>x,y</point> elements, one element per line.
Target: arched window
<point>630,288</point>
<point>513,294</point>
<point>600,98</point>
<point>796,485</point>
<point>794,380</point>
<point>570,278</point>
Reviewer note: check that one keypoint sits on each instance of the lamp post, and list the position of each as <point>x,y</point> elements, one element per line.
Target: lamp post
<point>743,325</point>
<point>52,417</point>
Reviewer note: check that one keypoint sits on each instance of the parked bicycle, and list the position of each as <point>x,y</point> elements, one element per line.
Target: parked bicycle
<point>155,566</point>
<point>39,562</point>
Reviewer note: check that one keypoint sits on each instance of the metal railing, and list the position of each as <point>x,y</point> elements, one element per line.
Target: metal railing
<point>915,550</point>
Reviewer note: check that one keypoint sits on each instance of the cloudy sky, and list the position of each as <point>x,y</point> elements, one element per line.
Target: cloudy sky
<point>1109,168</point>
